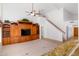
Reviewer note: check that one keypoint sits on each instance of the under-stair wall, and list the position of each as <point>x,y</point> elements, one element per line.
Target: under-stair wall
<point>56,16</point>
<point>55,32</point>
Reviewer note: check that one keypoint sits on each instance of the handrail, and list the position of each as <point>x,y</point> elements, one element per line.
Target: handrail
<point>54,25</point>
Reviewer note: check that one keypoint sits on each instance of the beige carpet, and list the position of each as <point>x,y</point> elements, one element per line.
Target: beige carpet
<point>32,48</point>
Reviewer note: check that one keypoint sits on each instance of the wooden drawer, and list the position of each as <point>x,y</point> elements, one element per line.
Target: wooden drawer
<point>33,37</point>
<point>23,39</point>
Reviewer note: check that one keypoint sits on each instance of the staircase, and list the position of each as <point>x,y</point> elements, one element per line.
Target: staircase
<point>63,33</point>
<point>55,26</point>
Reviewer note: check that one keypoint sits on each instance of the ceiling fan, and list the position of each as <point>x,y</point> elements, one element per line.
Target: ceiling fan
<point>34,12</point>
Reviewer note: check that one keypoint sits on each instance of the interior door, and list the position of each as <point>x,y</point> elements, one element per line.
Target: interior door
<point>75,31</point>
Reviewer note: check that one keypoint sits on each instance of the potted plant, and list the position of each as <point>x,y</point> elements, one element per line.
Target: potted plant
<point>7,21</point>
<point>23,20</point>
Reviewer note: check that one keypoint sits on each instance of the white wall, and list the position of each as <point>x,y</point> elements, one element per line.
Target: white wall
<point>0,11</point>
<point>56,16</point>
<point>0,34</point>
<point>0,27</point>
<point>15,11</point>
<point>52,33</point>
<point>68,16</point>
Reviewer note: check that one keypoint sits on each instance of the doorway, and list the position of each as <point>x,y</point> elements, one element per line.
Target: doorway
<point>75,32</point>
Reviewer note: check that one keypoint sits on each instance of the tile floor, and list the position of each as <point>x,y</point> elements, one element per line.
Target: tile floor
<point>31,48</point>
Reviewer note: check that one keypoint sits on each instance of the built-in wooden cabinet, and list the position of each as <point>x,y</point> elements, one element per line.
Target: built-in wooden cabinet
<point>19,32</point>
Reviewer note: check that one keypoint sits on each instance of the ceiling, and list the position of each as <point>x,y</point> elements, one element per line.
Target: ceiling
<point>45,7</point>
<point>71,7</point>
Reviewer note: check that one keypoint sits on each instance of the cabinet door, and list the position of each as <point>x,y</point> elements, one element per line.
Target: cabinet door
<point>5,36</point>
<point>5,41</point>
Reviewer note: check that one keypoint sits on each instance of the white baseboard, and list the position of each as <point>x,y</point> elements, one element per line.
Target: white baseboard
<point>52,39</point>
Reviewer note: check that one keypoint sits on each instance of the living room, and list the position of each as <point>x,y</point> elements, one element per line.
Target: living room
<point>55,23</point>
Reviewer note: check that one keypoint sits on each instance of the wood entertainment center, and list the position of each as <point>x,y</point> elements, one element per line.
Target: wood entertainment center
<point>19,32</point>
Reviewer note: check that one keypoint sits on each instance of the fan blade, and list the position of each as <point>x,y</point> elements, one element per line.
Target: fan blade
<point>27,12</point>
<point>41,15</point>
